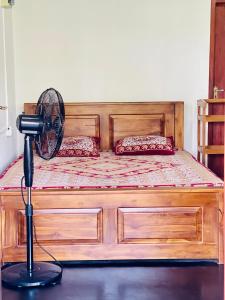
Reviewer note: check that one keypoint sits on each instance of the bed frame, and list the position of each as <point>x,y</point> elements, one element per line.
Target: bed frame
<point>118,224</point>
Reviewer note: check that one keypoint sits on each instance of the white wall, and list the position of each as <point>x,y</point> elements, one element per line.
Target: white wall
<point>113,50</point>
<point>8,147</point>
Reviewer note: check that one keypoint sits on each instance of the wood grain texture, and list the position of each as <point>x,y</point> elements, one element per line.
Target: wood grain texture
<point>158,225</point>
<point>128,125</point>
<point>213,29</point>
<point>210,155</point>
<point>92,118</point>
<point>179,125</point>
<point>64,226</point>
<point>198,209</point>
<point>220,199</point>
<point>217,78</point>
<point>82,125</point>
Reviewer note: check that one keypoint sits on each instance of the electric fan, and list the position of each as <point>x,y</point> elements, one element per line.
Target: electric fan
<point>45,129</point>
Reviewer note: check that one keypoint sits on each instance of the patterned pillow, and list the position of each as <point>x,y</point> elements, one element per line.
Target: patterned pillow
<point>79,146</point>
<point>146,144</point>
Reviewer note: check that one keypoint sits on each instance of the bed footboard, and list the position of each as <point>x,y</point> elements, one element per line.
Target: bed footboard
<point>114,225</point>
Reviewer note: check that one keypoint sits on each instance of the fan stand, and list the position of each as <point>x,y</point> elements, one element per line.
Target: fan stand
<point>30,274</point>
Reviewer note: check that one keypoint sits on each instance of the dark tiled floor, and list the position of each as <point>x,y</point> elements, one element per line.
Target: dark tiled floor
<point>192,282</point>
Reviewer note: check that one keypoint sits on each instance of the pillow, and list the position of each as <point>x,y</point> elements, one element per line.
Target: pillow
<point>145,144</point>
<point>79,146</point>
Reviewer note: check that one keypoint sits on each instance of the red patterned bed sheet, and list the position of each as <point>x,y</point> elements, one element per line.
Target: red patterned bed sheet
<point>111,171</point>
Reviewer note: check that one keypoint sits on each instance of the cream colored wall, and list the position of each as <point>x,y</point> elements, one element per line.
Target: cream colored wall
<point>8,147</point>
<point>113,50</point>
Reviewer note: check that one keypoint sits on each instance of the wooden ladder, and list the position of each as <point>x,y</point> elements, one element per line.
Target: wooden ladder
<point>203,119</point>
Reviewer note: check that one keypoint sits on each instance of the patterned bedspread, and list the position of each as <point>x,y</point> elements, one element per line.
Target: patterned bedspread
<point>111,171</point>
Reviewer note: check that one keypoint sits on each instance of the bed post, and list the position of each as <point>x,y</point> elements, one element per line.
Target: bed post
<point>179,125</point>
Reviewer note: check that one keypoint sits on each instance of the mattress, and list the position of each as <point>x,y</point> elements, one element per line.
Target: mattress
<point>111,171</point>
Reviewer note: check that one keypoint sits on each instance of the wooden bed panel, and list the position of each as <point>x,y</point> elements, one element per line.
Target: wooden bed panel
<point>179,125</point>
<point>9,233</point>
<point>158,225</point>
<point>171,110</point>
<point>127,125</point>
<point>63,226</point>
<point>82,125</point>
<point>199,207</point>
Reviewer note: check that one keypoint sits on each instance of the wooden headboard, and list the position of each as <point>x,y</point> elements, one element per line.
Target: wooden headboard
<point>111,121</point>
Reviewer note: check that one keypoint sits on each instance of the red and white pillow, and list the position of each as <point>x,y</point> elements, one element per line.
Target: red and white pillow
<point>147,144</point>
<point>79,146</point>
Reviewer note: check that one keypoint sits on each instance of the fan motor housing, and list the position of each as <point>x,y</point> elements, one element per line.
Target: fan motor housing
<point>30,124</point>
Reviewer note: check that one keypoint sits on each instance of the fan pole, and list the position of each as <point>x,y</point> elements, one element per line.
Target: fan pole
<point>28,173</point>
<point>29,223</point>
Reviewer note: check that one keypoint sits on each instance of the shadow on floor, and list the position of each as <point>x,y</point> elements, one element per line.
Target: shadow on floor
<point>123,282</point>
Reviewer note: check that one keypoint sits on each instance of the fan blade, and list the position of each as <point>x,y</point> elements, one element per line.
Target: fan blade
<point>50,106</point>
<point>57,124</point>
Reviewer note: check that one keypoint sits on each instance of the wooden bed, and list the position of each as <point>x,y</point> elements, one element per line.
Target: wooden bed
<point>186,223</point>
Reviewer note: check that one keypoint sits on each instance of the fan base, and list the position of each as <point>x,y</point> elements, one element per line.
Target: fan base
<point>43,274</point>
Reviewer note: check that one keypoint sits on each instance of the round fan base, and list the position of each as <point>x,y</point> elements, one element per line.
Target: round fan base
<point>43,274</point>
